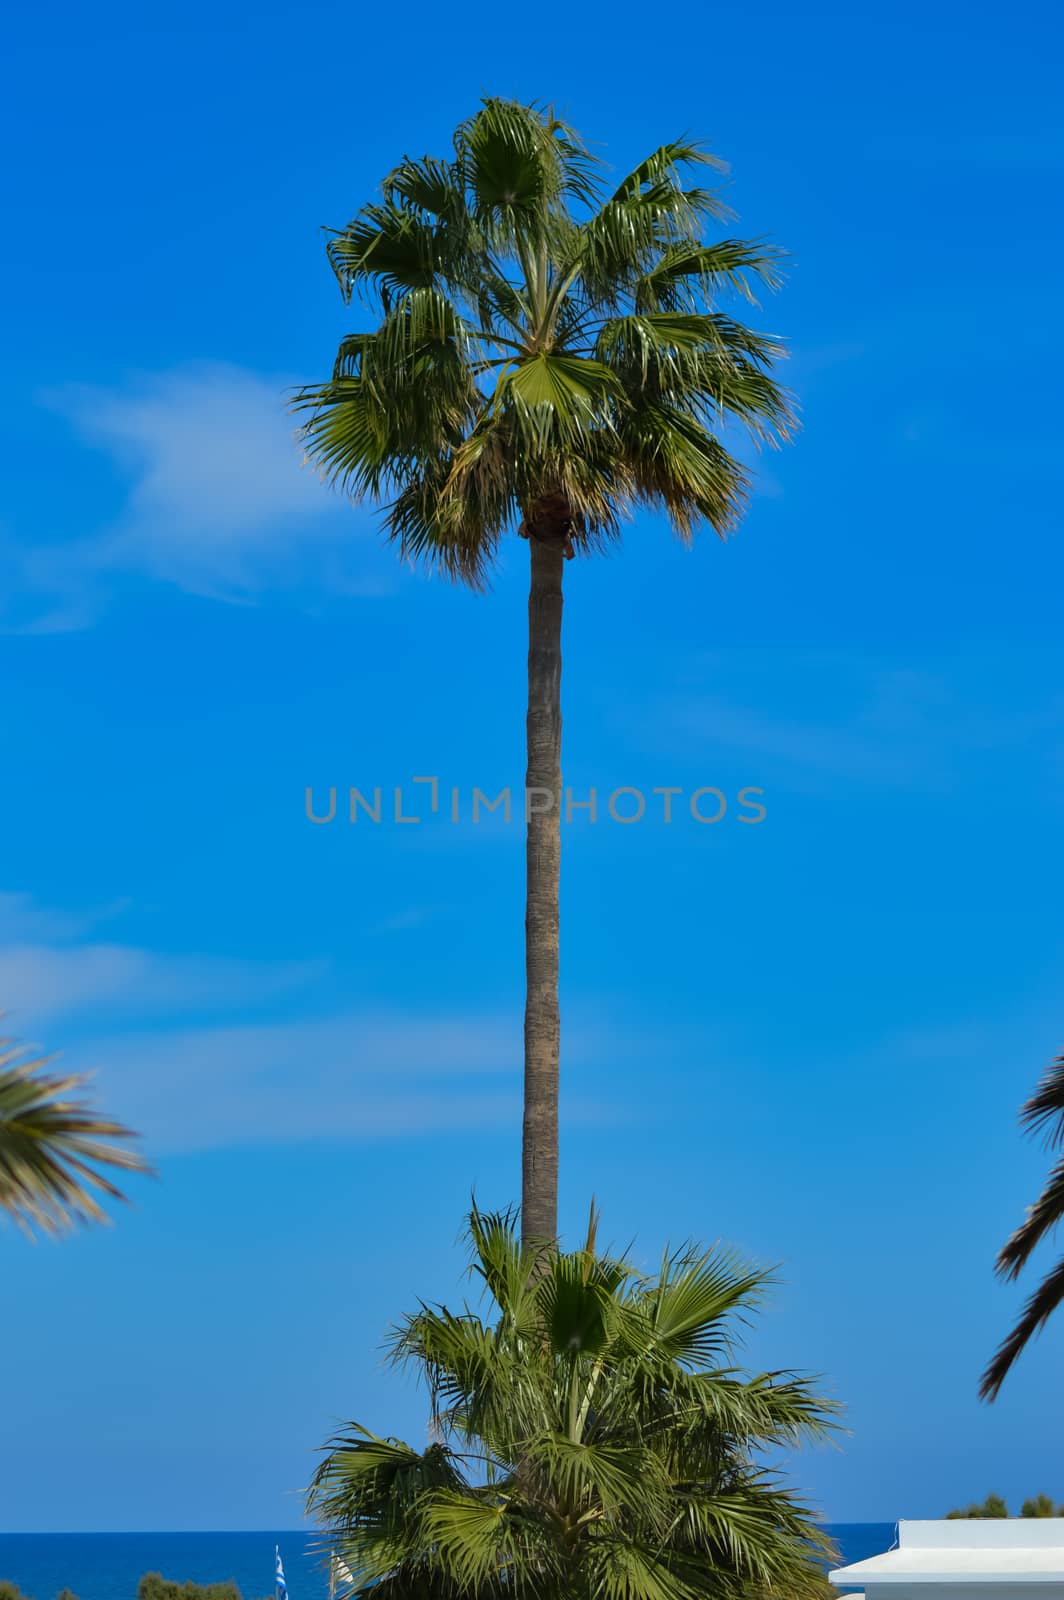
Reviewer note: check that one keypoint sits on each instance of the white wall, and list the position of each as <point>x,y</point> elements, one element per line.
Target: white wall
<point>965,1591</point>
<point>995,1533</point>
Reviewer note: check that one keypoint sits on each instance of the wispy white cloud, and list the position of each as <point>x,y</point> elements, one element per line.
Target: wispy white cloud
<point>47,588</point>
<point>858,746</point>
<point>405,921</point>
<point>190,1050</point>
<point>218,501</point>
<point>40,981</point>
<point>53,964</point>
<point>23,918</point>
<point>882,724</point>
<point>368,1075</point>
<point>362,1076</point>
<point>222,1082</point>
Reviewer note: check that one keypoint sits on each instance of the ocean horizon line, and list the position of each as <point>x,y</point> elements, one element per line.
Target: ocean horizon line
<point>300,1532</point>
<point>108,1564</point>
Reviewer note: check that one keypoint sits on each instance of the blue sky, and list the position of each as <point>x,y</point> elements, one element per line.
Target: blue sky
<point>809,1037</point>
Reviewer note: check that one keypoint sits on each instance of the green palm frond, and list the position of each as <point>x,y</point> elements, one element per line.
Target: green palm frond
<point>55,1148</point>
<point>684,1317</point>
<point>588,1441</point>
<point>664,165</point>
<point>766,1407</point>
<point>679,464</point>
<point>519,160</point>
<point>686,275</point>
<point>387,245</point>
<point>508,1272</point>
<point>474,1536</point>
<point>428,186</point>
<point>1040,1221</point>
<point>1037,1310</point>
<point>556,399</point>
<point>513,171</point>
<point>635,1569</point>
<point>1043,1114</point>
<point>537,339</point>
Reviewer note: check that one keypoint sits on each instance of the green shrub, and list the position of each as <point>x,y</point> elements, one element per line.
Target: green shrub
<point>992,1506</point>
<point>153,1586</point>
<point>1040,1505</point>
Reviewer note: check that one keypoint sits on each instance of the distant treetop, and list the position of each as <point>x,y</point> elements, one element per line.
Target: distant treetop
<point>1040,1505</point>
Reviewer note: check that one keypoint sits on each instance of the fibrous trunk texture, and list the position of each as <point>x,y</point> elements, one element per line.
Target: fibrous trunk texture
<point>539,1174</point>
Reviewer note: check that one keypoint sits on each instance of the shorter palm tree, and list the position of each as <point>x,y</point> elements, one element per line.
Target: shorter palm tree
<point>589,1438</point>
<point>53,1145</point>
<point>1043,1114</point>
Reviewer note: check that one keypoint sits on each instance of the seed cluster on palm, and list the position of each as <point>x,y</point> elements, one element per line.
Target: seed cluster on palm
<point>590,1437</point>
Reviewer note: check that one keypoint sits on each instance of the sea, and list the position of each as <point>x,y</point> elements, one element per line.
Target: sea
<point>107,1566</point>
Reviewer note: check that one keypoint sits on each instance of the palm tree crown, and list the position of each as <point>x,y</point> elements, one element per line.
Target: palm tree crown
<point>589,1439</point>
<point>547,355</point>
<point>1044,1114</point>
<point>52,1146</point>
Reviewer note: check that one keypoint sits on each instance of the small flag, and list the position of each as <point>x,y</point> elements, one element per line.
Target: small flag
<point>279,1584</point>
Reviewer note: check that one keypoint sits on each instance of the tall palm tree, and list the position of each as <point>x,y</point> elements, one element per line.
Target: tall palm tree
<point>590,1437</point>
<point>1044,1114</point>
<point>53,1145</point>
<point>548,355</point>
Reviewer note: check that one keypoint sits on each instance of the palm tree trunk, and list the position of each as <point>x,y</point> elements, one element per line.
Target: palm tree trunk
<point>543,781</point>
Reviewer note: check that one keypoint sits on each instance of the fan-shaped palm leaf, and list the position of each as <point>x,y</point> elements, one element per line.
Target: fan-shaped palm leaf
<point>55,1148</point>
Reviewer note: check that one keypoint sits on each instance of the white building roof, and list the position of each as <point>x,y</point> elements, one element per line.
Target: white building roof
<point>998,1550</point>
